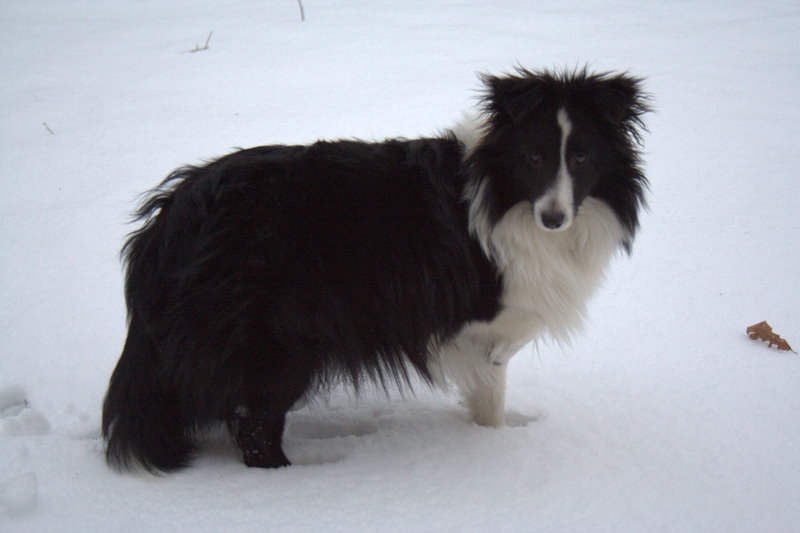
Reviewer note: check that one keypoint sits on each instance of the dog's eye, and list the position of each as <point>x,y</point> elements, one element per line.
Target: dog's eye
<point>535,159</point>
<point>580,159</point>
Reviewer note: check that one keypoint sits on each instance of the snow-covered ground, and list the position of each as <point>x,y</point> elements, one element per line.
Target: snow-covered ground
<point>662,415</point>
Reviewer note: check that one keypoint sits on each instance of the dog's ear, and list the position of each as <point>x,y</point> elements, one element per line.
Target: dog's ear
<point>620,99</point>
<point>511,97</point>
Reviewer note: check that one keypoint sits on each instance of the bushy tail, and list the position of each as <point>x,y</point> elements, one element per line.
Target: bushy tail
<point>142,422</point>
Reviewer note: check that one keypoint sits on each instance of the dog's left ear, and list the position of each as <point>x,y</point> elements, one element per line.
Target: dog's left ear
<point>620,99</point>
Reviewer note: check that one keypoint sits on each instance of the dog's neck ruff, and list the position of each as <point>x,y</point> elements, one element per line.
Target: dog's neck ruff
<point>548,275</point>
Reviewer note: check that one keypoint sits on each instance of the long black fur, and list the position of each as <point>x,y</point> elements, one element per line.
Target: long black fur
<point>274,270</point>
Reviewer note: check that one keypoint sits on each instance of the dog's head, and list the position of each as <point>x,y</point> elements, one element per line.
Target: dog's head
<point>553,139</point>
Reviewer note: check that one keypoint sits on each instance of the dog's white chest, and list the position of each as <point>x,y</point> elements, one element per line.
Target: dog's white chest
<point>549,276</point>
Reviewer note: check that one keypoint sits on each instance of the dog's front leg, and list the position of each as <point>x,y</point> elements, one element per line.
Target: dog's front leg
<point>477,363</point>
<point>486,395</point>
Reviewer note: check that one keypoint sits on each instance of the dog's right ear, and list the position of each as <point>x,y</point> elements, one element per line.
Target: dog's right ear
<point>509,98</point>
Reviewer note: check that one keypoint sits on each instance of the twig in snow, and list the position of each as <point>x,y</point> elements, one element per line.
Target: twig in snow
<point>205,46</point>
<point>302,11</point>
<point>48,128</point>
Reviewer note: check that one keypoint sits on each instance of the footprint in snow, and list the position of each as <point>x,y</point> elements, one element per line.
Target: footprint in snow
<point>318,429</point>
<point>12,400</point>
<point>17,417</point>
<point>315,441</point>
<point>516,419</point>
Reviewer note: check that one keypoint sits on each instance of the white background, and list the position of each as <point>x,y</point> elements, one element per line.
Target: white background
<point>661,416</point>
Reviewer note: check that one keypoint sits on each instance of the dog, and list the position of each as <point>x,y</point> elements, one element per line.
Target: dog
<point>272,272</point>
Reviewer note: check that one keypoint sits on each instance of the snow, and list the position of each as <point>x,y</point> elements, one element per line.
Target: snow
<point>661,416</point>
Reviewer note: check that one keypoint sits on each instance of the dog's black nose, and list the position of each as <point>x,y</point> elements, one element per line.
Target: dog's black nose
<point>553,219</point>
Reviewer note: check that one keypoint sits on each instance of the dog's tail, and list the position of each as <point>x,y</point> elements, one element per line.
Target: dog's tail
<point>142,422</point>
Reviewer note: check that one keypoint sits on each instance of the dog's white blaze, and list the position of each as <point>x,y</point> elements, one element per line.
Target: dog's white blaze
<point>559,198</point>
<point>566,128</point>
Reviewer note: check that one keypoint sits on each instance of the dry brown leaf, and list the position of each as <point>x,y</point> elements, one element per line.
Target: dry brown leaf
<point>763,332</point>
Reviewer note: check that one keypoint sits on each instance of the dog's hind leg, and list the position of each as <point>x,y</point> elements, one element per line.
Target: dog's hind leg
<point>259,421</point>
<point>259,435</point>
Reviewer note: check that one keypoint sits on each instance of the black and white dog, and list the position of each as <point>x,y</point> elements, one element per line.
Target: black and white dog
<point>271,272</point>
